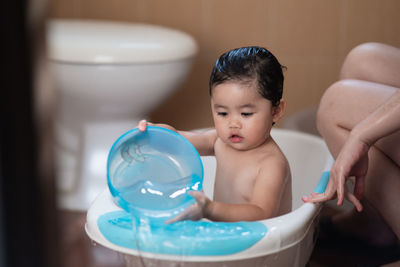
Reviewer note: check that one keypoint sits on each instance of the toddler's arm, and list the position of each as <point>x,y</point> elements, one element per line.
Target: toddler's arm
<point>264,203</point>
<point>203,141</point>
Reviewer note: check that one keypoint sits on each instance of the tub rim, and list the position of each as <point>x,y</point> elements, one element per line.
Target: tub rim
<point>281,233</point>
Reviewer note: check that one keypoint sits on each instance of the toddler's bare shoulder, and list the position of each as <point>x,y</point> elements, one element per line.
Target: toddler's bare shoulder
<point>274,162</point>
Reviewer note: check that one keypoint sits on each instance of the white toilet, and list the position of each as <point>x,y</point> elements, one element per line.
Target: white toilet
<point>109,76</point>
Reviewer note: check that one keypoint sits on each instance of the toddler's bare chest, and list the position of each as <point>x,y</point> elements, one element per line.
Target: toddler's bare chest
<point>234,179</point>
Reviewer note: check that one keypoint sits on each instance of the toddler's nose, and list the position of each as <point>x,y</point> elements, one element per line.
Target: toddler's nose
<point>234,123</point>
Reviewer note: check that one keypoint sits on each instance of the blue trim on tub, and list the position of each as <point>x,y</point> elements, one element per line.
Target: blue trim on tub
<point>187,238</point>
<point>323,182</point>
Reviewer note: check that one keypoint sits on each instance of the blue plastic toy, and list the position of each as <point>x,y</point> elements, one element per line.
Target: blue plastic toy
<point>149,173</point>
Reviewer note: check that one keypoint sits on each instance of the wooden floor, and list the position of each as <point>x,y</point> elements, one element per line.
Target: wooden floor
<point>79,251</point>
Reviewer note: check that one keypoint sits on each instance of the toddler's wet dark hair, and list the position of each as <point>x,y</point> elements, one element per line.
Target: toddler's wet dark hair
<point>248,65</point>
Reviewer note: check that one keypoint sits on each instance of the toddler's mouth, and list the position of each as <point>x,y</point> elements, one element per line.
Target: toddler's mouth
<point>235,138</point>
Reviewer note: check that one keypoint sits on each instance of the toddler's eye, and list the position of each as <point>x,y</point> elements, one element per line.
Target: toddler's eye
<point>247,114</point>
<point>223,114</point>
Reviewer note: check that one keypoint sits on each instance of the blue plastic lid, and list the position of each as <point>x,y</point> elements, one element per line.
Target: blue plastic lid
<point>149,173</point>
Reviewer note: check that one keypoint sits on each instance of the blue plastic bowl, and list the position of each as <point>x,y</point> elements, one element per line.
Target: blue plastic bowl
<point>149,173</point>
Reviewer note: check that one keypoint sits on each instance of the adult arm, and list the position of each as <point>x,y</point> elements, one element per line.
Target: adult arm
<point>353,157</point>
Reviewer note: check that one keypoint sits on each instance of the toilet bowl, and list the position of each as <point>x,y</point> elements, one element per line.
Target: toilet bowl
<point>108,76</point>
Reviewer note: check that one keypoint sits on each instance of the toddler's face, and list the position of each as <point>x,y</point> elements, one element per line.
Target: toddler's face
<point>242,117</point>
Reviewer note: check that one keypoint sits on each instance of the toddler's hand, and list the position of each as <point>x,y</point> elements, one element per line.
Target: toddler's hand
<point>196,211</point>
<point>143,125</point>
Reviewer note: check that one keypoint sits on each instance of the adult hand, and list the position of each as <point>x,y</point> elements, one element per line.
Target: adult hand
<point>351,161</point>
<point>196,211</point>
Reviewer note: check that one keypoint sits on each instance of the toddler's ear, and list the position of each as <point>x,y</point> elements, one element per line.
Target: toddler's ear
<point>278,111</point>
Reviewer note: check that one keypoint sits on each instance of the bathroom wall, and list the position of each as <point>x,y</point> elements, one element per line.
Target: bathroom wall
<point>310,37</point>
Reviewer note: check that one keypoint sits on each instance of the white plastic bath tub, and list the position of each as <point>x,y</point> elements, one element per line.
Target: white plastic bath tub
<point>290,238</point>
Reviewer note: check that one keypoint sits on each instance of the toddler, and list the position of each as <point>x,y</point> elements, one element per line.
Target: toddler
<point>253,179</point>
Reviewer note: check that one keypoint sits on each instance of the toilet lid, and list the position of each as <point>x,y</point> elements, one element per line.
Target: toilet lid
<point>90,41</point>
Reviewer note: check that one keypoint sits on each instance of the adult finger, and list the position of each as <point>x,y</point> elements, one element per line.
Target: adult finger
<point>321,197</point>
<point>340,187</point>
<point>350,197</point>
<point>328,194</point>
<point>315,198</point>
<point>359,186</point>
